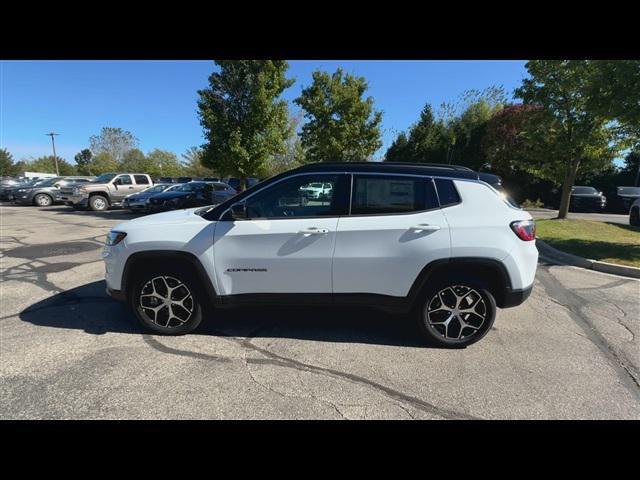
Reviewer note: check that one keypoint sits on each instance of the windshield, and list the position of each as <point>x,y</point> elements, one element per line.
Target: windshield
<point>584,190</point>
<point>104,178</point>
<point>156,189</point>
<point>628,190</point>
<point>49,182</point>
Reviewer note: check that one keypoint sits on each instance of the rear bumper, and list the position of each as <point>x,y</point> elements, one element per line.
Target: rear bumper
<point>513,298</point>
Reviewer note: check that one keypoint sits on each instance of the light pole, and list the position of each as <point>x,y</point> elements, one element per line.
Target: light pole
<point>55,159</point>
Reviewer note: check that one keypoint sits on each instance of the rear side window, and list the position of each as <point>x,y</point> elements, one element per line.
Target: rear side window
<point>141,179</point>
<point>447,193</point>
<point>379,194</point>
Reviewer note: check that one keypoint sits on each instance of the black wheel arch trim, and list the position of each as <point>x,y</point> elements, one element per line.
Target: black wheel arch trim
<point>175,255</point>
<point>433,267</point>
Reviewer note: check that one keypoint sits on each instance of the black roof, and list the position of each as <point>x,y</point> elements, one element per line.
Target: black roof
<point>434,169</point>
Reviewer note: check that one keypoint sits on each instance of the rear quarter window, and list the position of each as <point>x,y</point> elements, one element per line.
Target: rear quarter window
<point>447,193</point>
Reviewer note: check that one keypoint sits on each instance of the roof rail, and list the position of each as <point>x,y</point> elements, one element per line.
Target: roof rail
<point>399,164</point>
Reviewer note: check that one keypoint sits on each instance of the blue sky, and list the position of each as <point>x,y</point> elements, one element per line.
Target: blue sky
<point>156,100</point>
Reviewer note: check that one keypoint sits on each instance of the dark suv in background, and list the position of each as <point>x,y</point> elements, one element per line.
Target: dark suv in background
<point>587,199</point>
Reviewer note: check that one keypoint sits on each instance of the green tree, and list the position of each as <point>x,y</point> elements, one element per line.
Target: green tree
<point>580,135</point>
<point>134,160</point>
<point>6,163</point>
<point>46,164</point>
<point>162,163</point>
<point>399,151</point>
<point>103,162</point>
<point>615,95</point>
<point>192,164</point>
<point>293,155</point>
<point>114,141</point>
<point>244,121</point>
<point>83,161</point>
<point>341,124</point>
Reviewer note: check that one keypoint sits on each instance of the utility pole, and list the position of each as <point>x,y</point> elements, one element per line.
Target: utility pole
<point>55,159</point>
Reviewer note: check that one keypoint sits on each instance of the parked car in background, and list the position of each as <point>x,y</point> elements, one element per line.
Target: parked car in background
<point>191,194</point>
<point>47,192</point>
<point>185,179</point>
<point>622,199</point>
<point>634,213</point>
<point>138,202</point>
<point>317,191</point>
<point>235,182</point>
<point>586,199</point>
<point>164,180</point>
<point>108,190</point>
<point>8,185</point>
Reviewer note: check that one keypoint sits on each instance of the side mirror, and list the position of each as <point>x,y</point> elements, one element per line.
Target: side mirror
<point>239,211</point>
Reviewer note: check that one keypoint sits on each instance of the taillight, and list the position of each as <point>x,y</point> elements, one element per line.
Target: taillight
<point>524,229</point>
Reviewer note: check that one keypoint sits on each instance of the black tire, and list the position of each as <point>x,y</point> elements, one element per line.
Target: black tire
<point>42,200</point>
<point>431,315</point>
<point>98,203</point>
<point>167,321</point>
<point>634,217</point>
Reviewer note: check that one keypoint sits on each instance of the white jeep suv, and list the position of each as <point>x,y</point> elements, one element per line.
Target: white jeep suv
<point>428,240</point>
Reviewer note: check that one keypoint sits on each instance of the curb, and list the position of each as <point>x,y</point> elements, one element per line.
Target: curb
<point>575,261</point>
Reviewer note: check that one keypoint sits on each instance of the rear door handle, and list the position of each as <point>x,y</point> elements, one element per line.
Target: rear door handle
<point>313,231</point>
<point>426,227</point>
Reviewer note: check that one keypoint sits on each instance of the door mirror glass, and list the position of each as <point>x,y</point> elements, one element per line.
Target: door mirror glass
<point>239,211</point>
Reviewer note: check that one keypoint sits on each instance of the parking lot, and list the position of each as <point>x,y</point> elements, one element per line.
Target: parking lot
<point>69,351</point>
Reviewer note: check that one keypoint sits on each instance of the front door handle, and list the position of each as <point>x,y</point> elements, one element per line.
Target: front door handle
<point>426,227</point>
<point>313,231</point>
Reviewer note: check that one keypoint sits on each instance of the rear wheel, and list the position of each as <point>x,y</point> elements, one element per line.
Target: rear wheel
<point>42,200</point>
<point>98,203</point>
<point>167,301</point>
<point>456,314</point>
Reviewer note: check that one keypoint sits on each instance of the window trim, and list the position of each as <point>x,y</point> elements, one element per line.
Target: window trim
<point>412,212</point>
<point>284,179</point>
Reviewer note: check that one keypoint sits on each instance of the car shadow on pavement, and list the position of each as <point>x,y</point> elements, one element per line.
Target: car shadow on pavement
<point>90,309</point>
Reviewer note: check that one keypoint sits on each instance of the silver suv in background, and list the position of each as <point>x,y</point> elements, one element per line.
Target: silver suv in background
<point>108,190</point>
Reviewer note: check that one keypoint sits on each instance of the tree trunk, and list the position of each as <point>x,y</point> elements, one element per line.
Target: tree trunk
<point>569,179</point>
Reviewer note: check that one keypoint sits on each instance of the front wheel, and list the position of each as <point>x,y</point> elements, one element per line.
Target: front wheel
<point>456,314</point>
<point>43,200</point>
<point>167,302</point>
<point>634,217</point>
<point>98,203</point>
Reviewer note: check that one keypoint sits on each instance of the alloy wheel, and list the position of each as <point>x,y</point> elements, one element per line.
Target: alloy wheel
<point>456,313</point>
<point>166,301</point>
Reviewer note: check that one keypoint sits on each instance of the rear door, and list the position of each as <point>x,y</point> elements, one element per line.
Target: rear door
<point>142,182</point>
<point>394,230</point>
<point>286,244</point>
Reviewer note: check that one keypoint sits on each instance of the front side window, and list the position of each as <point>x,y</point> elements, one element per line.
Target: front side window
<point>123,180</point>
<point>299,196</point>
<point>380,194</point>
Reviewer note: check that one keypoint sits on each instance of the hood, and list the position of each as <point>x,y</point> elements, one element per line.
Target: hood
<point>174,217</point>
<point>141,195</point>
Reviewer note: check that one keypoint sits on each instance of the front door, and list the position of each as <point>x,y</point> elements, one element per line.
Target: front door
<point>286,243</point>
<point>123,186</point>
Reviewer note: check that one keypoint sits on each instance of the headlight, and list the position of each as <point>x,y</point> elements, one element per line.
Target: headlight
<point>114,238</point>
<point>22,190</point>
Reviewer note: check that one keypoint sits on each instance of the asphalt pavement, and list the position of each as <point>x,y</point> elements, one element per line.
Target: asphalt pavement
<point>70,352</point>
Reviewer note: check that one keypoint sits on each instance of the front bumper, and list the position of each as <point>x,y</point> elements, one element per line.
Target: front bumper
<point>116,294</point>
